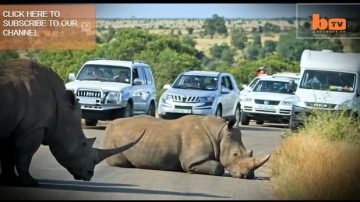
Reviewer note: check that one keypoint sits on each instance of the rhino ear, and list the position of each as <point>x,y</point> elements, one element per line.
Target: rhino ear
<point>70,97</point>
<point>231,122</point>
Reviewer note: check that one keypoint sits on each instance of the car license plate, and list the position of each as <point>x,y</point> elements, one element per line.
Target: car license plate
<point>87,100</point>
<point>266,107</point>
<point>183,111</point>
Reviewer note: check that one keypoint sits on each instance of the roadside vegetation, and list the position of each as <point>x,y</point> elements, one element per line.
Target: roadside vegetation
<point>321,161</point>
<point>170,46</point>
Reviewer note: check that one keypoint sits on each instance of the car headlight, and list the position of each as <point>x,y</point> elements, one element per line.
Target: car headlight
<point>207,99</point>
<point>166,97</point>
<point>247,99</point>
<point>114,97</point>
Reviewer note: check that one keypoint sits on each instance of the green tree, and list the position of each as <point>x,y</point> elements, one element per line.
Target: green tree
<point>271,28</point>
<point>189,41</point>
<point>269,46</point>
<point>213,25</point>
<point>238,38</point>
<point>291,47</point>
<point>190,30</point>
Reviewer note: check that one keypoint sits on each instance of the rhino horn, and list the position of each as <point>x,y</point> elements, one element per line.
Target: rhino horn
<point>260,161</point>
<point>104,153</point>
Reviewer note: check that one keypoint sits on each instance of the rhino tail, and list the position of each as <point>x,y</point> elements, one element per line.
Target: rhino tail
<point>104,153</point>
<point>261,161</point>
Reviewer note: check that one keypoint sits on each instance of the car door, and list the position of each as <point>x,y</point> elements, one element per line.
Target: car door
<point>225,96</point>
<point>231,97</point>
<point>137,90</point>
<point>146,90</point>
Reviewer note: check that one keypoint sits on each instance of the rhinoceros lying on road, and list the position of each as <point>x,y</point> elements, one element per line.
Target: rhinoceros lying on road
<point>35,109</point>
<point>194,144</point>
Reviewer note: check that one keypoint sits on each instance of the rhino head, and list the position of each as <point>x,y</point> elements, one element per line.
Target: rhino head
<point>234,156</point>
<point>72,149</point>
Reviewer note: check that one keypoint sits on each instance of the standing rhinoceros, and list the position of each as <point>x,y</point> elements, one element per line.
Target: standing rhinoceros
<point>35,109</point>
<point>194,144</point>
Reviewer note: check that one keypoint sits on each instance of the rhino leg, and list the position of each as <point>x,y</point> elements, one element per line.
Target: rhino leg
<point>8,176</point>
<point>26,148</point>
<point>209,167</point>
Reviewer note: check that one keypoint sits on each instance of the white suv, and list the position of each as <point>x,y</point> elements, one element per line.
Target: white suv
<point>271,99</point>
<point>110,89</point>
<point>203,93</point>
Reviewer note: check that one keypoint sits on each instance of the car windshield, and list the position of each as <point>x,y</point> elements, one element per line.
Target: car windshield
<point>329,81</point>
<point>273,87</point>
<point>105,73</point>
<point>253,82</point>
<point>196,82</point>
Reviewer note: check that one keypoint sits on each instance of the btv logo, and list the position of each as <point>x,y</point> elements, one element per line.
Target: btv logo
<point>333,24</point>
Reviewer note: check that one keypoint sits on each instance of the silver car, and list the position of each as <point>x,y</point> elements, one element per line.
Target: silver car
<point>202,93</point>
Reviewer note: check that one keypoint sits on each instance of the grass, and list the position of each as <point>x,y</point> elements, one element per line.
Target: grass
<point>322,161</point>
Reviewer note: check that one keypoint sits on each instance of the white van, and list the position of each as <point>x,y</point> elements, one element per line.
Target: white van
<point>328,80</point>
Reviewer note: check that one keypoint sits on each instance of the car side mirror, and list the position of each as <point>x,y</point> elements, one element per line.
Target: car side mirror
<point>225,91</point>
<point>138,82</point>
<point>71,76</point>
<point>166,86</point>
<point>246,87</point>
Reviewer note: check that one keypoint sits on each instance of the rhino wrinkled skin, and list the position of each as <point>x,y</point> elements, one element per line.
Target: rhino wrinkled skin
<point>35,109</point>
<point>194,144</point>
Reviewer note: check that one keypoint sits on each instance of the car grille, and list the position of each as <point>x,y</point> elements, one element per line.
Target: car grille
<point>267,102</point>
<point>185,99</point>
<point>285,111</point>
<point>320,105</point>
<point>88,93</point>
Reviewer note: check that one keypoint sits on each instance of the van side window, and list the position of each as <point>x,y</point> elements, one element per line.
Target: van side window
<point>229,83</point>
<point>223,83</point>
<point>137,73</point>
<point>148,75</point>
<point>145,76</point>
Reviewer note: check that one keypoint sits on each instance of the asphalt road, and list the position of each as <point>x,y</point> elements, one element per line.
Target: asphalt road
<point>113,183</point>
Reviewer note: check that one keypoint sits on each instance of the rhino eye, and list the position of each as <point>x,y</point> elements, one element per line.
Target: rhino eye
<point>84,144</point>
<point>235,154</point>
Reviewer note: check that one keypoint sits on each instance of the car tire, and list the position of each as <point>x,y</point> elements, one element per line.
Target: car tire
<point>218,111</point>
<point>244,120</point>
<point>237,114</point>
<point>259,122</point>
<point>151,110</point>
<point>128,111</point>
<point>91,122</point>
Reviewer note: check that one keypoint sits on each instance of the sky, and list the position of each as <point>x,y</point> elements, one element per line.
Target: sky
<point>195,10</point>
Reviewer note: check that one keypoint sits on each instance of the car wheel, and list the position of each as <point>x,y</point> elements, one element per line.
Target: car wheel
<point>244,120</point>
<point>260,122</point>
<point>91,122</point>
<point>128,111</point>
<point>237,114</point>
<point>218,111</point>
<point>151,110</point>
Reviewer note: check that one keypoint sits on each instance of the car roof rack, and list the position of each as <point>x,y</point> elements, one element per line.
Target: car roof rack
<point>138,61</point>
<point>99,58</point>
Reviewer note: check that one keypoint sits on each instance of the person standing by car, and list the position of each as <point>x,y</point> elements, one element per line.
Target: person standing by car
<point>261,71</point>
